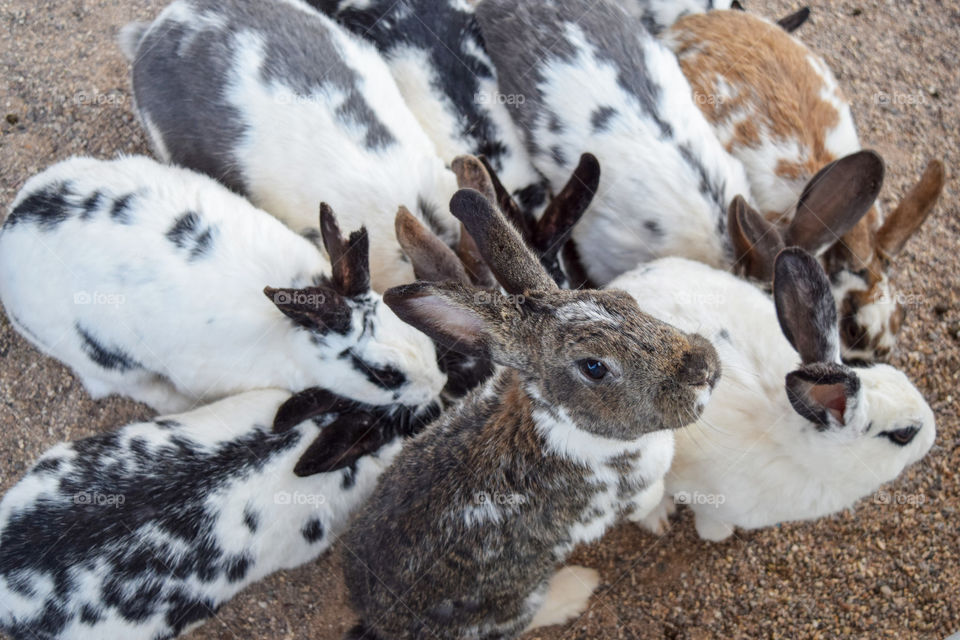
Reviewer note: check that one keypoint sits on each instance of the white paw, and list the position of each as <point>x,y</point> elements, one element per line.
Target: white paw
<point>709,528</point>
<point>657,519</point>
<point>567,596</point>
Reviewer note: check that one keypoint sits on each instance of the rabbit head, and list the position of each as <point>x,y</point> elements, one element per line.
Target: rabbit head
<point>593,354</point>
<point>384,360</point>
<point>876,409</point>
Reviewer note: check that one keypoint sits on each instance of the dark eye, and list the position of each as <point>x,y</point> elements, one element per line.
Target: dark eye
<point>901,437</point>
<point>593,369</point>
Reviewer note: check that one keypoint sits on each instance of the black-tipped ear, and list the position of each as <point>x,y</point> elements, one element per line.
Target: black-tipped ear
<point>343,442</point>
<point>349,259</point>
<point>512,262</point>
<point>795,20</point>
<point>308,404</point>
<point>805,306</point>
<point>834,200</point>
<point>315,308</point>
<point>432,260</point>
<point>565,210</point>
<point>448,312</point>
<point>737,6</point>
<point>822,393</point>
<point>756,242</point>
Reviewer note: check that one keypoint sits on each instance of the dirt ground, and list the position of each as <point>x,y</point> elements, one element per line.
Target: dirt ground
<point>888,569</point>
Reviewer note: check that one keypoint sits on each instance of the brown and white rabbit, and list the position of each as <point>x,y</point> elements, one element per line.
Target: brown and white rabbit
<point>778,109</point>
<point>472,520</point>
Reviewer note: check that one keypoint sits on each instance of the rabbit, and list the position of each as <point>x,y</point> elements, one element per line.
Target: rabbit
<point>434,261</point>
<point>472,518</point>
<point>669,182</point>
<point>148,281</point>
<point>437,56</point>
<point>762,453</point>
<point>284,106</point>
<point>776,106</point>
<point>658,15</point>
<point>142,533</point>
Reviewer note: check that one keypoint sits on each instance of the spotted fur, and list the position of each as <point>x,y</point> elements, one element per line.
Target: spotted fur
<point>790,433</point>
<point>468,526</point>
<point>168,307</point>
<point>438,58</point>
<point>595,81</point>
<point>777,107</point>
<point>284,106</point>
<point>144,532</point>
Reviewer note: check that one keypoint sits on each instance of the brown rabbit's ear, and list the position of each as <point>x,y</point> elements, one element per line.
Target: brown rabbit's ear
<point>795,20</point>
<point>565,210</point>
<point>472,261</point>
<point>524,222</point>
<point>432,260</point>
<point>756,242</point>
<point>912,211</point>
<point>514,265</point>
<point>349,259</point>
<point>467,320</point>
<point>834,201</point>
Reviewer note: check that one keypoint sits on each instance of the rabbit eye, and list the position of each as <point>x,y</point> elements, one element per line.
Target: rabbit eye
<point>593,369</point>
<point>901,437</point>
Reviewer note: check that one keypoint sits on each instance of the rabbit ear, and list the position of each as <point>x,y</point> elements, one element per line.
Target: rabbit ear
<point>315,308</point>
<point>341,443</point>
<point>805,306</point>
<point>795,20</point>
<point>472,261</point>
<point>432,260</point>
<point>512,262</point>
<point>737,6</point>
<point>825,393</point>
<point>473,173</point>
<point>565,210</point>
<point>350,259</point>
<point>524,221</point>
<point>756,242</point>
<point>466,320</point>
<point>912,211</point>
<point>834,201</point>
<point>308,404</point>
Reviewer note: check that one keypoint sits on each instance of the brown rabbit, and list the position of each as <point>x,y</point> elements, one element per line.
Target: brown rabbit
<point>464,532</point>
<point>777,108</point>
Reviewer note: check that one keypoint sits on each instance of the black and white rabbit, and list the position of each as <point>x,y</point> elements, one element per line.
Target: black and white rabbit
<point>437,56</point>
<point>465,530</point>
<point>595,80</point>
<point>148,281</point>
<point>142,533</point>
<point>285,106</point>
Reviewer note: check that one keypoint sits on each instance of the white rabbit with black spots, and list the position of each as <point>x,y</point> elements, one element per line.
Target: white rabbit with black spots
<point>148,281</point>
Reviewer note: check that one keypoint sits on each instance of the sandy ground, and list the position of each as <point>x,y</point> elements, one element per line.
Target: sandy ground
<point>882,570</point>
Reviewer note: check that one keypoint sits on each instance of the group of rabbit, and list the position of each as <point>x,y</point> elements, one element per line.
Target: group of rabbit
<point>571,350</point>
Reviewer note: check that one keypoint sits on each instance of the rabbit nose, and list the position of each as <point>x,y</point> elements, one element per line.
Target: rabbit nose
<point>700,366</point>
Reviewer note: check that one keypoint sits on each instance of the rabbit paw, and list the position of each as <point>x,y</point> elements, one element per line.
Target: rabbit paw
<point>567,596</point>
